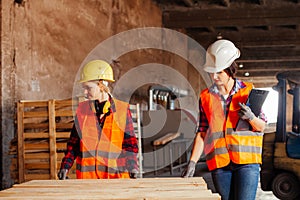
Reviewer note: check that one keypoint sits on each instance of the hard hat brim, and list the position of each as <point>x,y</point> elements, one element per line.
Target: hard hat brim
<point>87,80</point>
<point>213,69</point>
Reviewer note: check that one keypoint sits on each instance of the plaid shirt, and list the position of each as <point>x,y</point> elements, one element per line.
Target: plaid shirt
<point>203,122</point>
<point>129,145</point>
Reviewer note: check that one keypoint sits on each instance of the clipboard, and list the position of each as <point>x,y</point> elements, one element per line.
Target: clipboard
<point>255,102</point>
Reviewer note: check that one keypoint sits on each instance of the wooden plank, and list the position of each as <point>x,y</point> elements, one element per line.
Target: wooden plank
<point>38,176</point>
<point>166,138</point>
<point>29,114</point>
<point>52,139</point>
<point>42,146</point>
<point>20,107</point>
<point>40,165</point>
<point>34,135</point>
<point>63,134</point>
<point>61,145</point>
<point>66,102</point>
<point>60,155</point>
<point>37,156</point>
<point>64,125</point>
<point>146,188</point>
<point>36,126</point>
<point>34,103</point>
<point>37,146</point>
<point>64,113</point>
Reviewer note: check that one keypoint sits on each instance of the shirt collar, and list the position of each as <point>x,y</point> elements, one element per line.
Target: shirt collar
<point>237,86</point>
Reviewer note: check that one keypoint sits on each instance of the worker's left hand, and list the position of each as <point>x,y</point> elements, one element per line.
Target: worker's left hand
<point>133,173</point>
<point>62,174</point>
<point>245,112</point>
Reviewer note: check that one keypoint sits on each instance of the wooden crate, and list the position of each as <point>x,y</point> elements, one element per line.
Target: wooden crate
<point>144,188</point>
<point>43,130</point>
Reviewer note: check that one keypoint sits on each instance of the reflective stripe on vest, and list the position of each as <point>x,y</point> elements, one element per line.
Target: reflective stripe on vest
<point>222,143</point>
<point>100,150</point>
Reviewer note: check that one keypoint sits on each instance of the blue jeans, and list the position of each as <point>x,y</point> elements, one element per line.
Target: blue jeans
<point>236,181</point>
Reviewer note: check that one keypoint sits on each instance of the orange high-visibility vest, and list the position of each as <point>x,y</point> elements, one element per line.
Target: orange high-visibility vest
<point>222,143</point>
<point>101,148</point>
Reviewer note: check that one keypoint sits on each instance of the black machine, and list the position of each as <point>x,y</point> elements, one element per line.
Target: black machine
<point>280,171</point>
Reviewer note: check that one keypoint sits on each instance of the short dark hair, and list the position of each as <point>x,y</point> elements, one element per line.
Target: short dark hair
<point>231,70</point>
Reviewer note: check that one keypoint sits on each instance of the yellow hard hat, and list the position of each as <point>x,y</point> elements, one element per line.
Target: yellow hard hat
<point>96,70</point>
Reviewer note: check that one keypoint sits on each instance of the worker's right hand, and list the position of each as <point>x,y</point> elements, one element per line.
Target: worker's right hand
<point>62,174</point>
<point>245,112</point>
<point>190,170</point>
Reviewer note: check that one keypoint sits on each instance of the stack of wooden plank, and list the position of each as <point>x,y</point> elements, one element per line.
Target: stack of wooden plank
<point>43,130</point>
<point>144,188</point>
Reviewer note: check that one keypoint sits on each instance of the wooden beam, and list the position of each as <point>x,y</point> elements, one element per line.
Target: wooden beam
<point>189,3</point>
<point>258,16</point>
<point>226,2</point>
<point>258,69</point>
<point>52,139</point>
<point>268,64</point>
<point>21,153</point>
<point>250,38</point>
<point>280,54</point>
<point>257,73</point>
<point>262,2</point>
<point>260,82</point>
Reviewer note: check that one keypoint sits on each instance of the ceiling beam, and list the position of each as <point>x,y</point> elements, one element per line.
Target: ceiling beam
<point>258,16</point>
<point>273,73</point>
<point>267,69</point>
<point>278,54</point>
<point>226,2</point>
<point>259,82</point>
<point>265,65</point>
<point>250,37</point>
<point>188,3</point>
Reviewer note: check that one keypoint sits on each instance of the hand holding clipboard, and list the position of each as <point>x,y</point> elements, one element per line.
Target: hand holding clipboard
<point>252,108</point>
<point>245,112</point>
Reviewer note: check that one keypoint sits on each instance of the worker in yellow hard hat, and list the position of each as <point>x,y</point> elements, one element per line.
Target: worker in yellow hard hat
<point>232,152</point>
<point>102,140</point>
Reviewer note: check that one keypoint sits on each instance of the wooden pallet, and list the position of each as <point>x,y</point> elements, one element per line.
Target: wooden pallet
<point>144,188</point>
<point>43,130</point>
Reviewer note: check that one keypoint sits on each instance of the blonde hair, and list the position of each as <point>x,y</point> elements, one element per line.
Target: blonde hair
<point>103,85</point>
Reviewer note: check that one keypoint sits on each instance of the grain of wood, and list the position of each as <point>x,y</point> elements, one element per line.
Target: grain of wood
<point>144,188</point>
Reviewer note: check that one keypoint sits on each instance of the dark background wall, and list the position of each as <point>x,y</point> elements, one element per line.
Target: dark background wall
<point>43,44</point>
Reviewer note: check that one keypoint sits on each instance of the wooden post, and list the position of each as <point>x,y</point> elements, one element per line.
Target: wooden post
<point>52,139</point>
<point>20,115</point>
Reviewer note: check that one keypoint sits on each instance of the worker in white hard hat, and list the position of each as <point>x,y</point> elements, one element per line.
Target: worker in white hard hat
<point>102,140</point>
<point>232,153</point>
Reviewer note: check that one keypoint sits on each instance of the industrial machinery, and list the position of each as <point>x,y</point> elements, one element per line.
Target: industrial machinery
<point>280,171</point>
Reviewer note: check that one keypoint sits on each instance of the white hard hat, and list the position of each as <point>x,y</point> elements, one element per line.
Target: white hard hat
<point>220,55</point>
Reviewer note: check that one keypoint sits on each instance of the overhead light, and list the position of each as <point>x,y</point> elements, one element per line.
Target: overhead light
<point>219,36</point>
<point>241,65</point>
<point>246,74</point>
